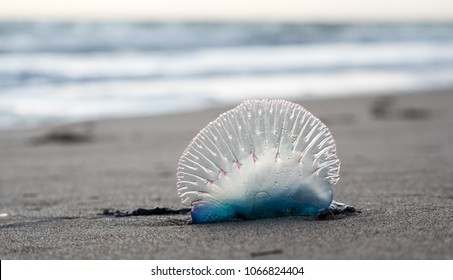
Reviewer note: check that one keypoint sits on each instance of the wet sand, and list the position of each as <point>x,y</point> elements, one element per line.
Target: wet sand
<point>397,167</point>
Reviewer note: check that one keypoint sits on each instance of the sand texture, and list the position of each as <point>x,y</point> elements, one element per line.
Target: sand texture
<point>397,167</point>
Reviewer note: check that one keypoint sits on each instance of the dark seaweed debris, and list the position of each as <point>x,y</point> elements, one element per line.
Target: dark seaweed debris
<point>386,108</point>
<point>265,253</point>
<point>333,213</point>
<point>69,134</point>
<point>145,212</point>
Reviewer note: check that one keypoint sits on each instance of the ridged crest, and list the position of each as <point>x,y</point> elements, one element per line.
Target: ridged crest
<point>264,155</point>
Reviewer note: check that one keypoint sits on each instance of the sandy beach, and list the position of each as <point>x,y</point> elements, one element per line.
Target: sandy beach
<point>397,167</point>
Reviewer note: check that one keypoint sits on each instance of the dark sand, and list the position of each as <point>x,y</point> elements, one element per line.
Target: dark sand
<point>397,166</point>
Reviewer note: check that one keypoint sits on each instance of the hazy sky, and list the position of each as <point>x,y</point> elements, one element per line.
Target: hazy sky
<point>290,10</point>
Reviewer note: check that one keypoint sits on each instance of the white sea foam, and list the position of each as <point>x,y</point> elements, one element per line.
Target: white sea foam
<point>161,68</point>
<point>114,99</point>
<point>229,61</point>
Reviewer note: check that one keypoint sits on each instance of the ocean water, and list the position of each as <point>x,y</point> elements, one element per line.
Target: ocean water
<point>54,72</point>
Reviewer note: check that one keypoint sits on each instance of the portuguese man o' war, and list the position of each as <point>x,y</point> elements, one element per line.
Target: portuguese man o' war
<point>262,159</point>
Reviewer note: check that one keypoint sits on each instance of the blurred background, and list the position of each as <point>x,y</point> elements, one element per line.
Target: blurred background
<point>64,61</point>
